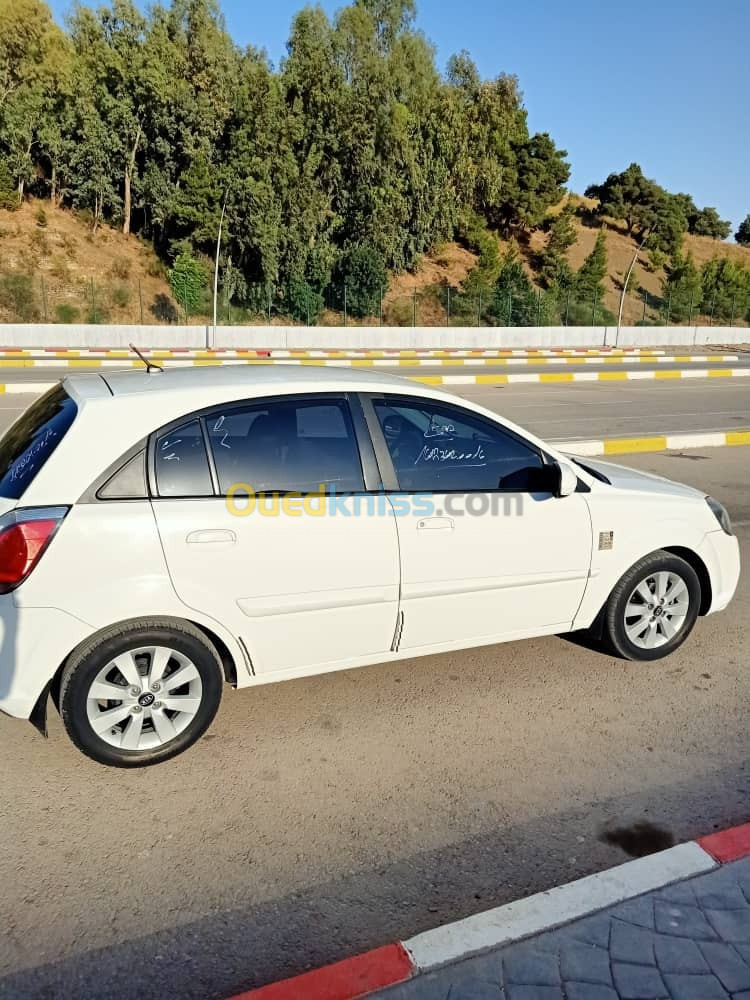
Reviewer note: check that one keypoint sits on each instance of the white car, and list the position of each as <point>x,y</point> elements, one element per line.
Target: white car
<point>163,534</point>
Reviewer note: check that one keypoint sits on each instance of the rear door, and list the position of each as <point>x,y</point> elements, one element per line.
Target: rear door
<point>263,512</point>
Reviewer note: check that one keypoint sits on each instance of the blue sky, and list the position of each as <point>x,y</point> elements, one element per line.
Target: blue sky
<point>661,82</point>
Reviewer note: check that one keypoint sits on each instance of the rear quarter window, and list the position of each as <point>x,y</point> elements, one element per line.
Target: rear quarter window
<point>31,440</point>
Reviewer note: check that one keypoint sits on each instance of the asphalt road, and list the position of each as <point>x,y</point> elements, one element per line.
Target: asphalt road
<point>328,815</point>
<point>595,410</point>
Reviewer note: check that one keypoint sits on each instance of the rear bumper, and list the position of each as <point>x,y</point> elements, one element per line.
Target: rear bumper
<point>721,554</point>
<point>33,644</point>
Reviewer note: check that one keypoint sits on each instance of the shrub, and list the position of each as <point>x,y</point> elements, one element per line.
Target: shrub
<point>657,258</point>
<point>66,313</point>
<point>96,314</point>
<point>39,243</point>
<point>155,268</point>
<point>188,281</point>
<point>120,296</point>
<point>305,303</point>
<point>581,313</point>
<point>121,268</point>
<point>41,218</point>
<point>399,312</point>
<point>18,293</point>
<point>164,309</point>
<point>70,246</point>
<point>59,269</point>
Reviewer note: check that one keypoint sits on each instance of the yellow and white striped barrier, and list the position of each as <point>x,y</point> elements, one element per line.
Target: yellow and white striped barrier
<point>178,361</point>
<point>557,378</point>
<point>527,378</point>
<point>350,353</point>
<point>659,442</point>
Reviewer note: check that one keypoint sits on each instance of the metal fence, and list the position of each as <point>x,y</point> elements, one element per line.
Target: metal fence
<point>34,298</point>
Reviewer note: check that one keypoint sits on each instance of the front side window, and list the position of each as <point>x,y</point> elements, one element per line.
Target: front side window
<point>286,446</point>
<point>181,463</point>
<point>438,448</point>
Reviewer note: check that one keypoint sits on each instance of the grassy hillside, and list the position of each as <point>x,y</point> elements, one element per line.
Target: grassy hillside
<point>53,267</point>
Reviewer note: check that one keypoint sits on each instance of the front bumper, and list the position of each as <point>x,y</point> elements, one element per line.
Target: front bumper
<point>721,554</point>
<point>34,642</point>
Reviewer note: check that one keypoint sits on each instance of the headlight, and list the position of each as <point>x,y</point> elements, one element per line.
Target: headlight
<point>721,515</point>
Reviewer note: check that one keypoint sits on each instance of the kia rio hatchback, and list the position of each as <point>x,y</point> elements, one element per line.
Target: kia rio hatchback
<point>163,535</point>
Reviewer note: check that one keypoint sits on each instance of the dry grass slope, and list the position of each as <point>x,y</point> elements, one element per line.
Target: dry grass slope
<point>63,257</point>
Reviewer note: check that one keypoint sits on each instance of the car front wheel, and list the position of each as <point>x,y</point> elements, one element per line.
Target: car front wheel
<point>141,692</point>
<point>653,608</point>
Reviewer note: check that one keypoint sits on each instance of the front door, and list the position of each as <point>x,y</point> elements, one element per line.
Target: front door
<point>306,582</point>
<point>491,553</point>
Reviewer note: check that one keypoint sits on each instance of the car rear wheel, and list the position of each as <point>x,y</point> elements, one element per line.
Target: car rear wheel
<point>653,608</point>
<point>141,692</point>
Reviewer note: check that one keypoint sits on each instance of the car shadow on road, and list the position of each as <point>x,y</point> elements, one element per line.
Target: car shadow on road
<point>242,948</point>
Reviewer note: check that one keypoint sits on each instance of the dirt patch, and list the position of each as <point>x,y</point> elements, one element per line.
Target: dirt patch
<point>62,257</point>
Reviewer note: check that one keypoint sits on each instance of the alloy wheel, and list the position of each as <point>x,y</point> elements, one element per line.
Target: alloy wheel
<point>657,609</point>
<point>144,698</point>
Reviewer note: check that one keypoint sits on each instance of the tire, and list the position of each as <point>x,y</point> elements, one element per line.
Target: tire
<point>637,628</point>
<point>149,721</point>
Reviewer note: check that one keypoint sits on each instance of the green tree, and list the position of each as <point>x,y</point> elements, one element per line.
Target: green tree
<point>654,217</point>
<point>34,72</point>
<point>553,265</point>
<point>629,196</point>
<point>590,277</point>
<point>362,271</point>
<point>304,302</point>
<point>8,192</point>
<point>725,287</point>
<point>475,236</point>
<point>542,173</point>
<point>682,288</point>
<point>743,232</point>
<point>514,301</point>
<point>708,223</point>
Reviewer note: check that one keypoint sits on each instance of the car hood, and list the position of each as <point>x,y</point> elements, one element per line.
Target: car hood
<point>625,478</point>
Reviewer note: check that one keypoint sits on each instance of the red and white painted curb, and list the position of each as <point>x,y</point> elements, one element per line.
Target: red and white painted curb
<point>394,963</point>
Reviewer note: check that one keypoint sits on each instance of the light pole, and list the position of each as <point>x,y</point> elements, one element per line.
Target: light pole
<point>218,252</point>
<point>625,286</point>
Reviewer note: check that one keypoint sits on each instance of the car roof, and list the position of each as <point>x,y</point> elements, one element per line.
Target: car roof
<point>255,380</point>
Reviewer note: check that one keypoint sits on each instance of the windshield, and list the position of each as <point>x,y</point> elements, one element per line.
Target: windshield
<point>592,472</point>
<point>32,439</point>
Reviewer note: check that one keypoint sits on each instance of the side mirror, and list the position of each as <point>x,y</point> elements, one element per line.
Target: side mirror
<point>568,479</point>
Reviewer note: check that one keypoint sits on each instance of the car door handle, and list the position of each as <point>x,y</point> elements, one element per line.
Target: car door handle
<point>211,536</point>
<point>436,524</point>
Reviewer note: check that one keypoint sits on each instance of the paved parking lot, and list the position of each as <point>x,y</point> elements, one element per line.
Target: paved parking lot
<point>328,815</point>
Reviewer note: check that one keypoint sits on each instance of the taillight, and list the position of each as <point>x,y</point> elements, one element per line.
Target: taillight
<point>24,535</point>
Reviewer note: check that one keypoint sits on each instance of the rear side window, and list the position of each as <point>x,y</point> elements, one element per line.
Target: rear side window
<point>286,446</point>
<point>32,439</point>
<point>181,463</point>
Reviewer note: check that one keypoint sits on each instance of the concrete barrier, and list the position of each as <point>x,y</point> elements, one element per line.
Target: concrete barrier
<point>51,335</point>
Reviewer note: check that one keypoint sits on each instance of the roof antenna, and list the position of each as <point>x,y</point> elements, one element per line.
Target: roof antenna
<point>151,367</point>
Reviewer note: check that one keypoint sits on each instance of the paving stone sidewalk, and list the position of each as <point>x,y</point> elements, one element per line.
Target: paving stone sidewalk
<point>689,941</point>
